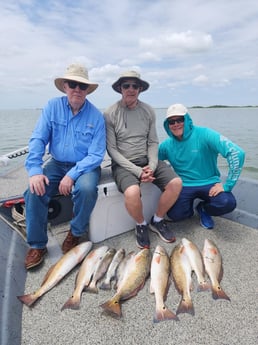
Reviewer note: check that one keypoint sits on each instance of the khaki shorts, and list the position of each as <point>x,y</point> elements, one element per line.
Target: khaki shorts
<point>124,178</point>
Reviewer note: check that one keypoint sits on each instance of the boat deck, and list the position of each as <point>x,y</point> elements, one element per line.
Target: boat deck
<point>215,322</point>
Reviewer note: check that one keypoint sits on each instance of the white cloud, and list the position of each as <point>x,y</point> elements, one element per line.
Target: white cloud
<point>180,48</point>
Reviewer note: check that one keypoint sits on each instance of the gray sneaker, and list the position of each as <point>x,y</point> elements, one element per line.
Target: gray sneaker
<point>162,230</point>
<point>142,236</point>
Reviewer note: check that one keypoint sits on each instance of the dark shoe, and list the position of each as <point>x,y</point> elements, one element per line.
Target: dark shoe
<point>162,230</point>
<point>142,236</point>
<point>34,257</point>
<point>70,242</point>
<point>205,220</point>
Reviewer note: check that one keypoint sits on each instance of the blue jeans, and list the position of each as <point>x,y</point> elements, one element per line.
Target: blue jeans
<point>84,197</point>
<point>223,203</point>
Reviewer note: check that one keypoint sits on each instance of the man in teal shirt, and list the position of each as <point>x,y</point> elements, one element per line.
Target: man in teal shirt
<point>193,151</point>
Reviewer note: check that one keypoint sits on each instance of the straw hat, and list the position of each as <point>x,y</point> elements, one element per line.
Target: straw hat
<point>130,75</point>
<point>76,72</point>
<point>176,110</point>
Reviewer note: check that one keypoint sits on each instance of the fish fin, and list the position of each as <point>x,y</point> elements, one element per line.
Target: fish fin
<point>164,314</point>
<point>28,299</point>
<point>72,303</point>
<point>203,286</point>
<point>105,286</point>
<point>91,288</point>
<point>218,293</point>
<point>113,307</point>
<point>185,307</point>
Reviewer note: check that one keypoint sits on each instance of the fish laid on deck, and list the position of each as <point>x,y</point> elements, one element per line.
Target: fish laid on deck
<point>181,273</point>
<point>64,265</point>
<point>100,270</point>
<point>136,271</point>
<point>121,268</point>
<point>84,276</point>
<point>159,284</point>
<point>213,265</point>
<point>196,262</point>
<point>112,269</point>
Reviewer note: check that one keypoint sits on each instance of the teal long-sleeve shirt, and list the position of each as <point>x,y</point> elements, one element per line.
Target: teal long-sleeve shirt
<point>79,139</point>
<point>194,158</point>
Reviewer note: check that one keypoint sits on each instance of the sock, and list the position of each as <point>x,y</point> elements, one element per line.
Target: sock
<point>156,219</point>
<point>143,223</point>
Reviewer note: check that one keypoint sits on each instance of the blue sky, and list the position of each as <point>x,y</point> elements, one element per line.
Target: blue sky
<point>195,52</point>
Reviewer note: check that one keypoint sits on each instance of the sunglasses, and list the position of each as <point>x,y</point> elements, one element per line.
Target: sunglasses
<point>179,120</point>
<point>73,85</point>
<point>126,86</point>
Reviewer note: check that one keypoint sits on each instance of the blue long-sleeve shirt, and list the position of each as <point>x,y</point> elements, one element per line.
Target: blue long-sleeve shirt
<point>79,138</point>
<point>194,158</point>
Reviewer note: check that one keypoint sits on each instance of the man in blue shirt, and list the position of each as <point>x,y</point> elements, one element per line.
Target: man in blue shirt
<point>74,130</point>
<point>193,151</point>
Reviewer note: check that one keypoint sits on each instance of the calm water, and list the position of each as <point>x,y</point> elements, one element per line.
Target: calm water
<point>238,124</point>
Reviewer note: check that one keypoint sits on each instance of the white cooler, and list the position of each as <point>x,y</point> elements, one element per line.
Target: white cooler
<point>110,218</point>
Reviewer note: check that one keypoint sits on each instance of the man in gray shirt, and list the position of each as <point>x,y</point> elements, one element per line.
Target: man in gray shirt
<point>132,144</point>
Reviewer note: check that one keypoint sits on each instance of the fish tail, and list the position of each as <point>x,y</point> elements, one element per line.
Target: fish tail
<point>28,299</point>
<point>185,306</point>
<point>218,293</point>
<point>72,303</point>
<point>164,314</point>
<point>112,306</point>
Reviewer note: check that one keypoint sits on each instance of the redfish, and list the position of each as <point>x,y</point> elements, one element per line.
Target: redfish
<point>159,284</point>
<point>196,262</point>
<point>213,265</point>
<point>84,276</point>
<point>64,265</point>
<point>137,269</point>
<point>181,273</point>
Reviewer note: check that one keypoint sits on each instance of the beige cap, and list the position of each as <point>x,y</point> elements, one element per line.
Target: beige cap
<point>176,110</point>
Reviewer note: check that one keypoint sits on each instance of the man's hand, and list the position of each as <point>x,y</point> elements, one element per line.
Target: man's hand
<point>66,185</point>
<point>216,189</point>
<point>147,174</point>
<point>37,184</point>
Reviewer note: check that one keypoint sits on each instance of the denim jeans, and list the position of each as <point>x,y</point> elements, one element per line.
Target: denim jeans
<point>223,203</point>
<point>84,197</point>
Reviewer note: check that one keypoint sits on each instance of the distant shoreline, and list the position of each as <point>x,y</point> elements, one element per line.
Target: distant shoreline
<point>224,106</point>
<point>213,106</point>
<point>164,107</point>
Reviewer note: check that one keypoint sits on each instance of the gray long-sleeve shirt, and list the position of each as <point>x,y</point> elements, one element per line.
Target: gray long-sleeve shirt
<point>131,134</point>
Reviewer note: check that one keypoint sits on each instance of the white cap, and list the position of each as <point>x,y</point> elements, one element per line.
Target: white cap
<point>176,109</point>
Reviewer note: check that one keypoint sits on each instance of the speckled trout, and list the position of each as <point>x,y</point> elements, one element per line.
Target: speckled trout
<point>137,269</point>
<point>100,270</point>
<point>64,265</point>
<point>112,269</point>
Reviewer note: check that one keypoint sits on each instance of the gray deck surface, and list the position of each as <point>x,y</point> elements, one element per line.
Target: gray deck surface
<point>215,322</point>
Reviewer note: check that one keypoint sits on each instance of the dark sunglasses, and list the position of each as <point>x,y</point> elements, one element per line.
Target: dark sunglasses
<point>73,85</point>
<point>126,86</point>
<point>179,120</point>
